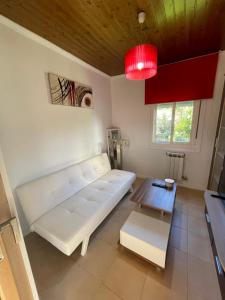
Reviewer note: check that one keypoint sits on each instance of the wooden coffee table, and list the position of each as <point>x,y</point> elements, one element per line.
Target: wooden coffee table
<point>153,197</point>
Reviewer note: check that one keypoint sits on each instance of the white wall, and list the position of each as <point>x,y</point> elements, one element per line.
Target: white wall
<point>133,117</point>
<point>37,137</point>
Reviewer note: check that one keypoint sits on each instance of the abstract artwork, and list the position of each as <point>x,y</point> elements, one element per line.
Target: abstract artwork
<point>68,92</point>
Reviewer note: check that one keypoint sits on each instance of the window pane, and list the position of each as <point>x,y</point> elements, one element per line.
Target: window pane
<point>163,123</point>
<point>183,122</point>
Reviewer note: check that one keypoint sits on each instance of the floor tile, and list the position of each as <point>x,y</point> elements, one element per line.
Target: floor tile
<point>103,293</point>
<point>196,210</point>
<point>127,204</point>
<point>202,280</point>
<point>76,283</point>
<point>174,277</point>
<point>181,195</point>
<point>181,207</point>
<point>178,238</point>
<point>197,225</point>
<point>153,290</point>
<point>194,296</point>
<point>126,277</point>
<point>138,182</point>
<point>99,258</point>
<point>180,220</point>
<point>121,213</point>
<point>48,263</point>
<point>199,247</point>
<point>110,232</point>
<point>195,196</point>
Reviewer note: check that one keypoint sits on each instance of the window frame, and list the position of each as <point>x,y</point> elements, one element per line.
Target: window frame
<point>196,132</point>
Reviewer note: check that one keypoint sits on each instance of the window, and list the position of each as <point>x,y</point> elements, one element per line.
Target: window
<point>176,123</point>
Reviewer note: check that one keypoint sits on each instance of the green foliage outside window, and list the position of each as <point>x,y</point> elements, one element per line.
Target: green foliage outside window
<point>163,123</point>
<point>183,122</point>
<point>178,122</point>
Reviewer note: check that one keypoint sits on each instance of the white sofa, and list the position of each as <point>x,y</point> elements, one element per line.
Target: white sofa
<point>67,206</point>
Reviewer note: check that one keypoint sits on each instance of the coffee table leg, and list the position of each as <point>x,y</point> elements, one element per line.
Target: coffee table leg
<point>162,213</point>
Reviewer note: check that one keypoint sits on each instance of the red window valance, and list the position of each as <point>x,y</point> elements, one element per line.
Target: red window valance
<point>192,79</point>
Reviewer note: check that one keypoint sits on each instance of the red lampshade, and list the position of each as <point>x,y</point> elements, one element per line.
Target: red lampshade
<point>141,62</point>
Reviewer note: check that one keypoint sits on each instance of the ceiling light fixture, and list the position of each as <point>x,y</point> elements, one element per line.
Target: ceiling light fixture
<point>141,60</point>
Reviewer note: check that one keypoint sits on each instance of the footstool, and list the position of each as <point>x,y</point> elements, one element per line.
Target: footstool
<point>146,236</point>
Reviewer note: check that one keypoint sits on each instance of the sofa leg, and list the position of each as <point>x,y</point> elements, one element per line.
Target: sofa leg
<point>131,189</point>
<point>84,246</point>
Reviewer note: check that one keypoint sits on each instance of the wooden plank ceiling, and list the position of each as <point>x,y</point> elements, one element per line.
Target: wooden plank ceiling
<point>101,31</point>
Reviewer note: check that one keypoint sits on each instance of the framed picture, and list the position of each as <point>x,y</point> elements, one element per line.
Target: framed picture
<point>71,93</point>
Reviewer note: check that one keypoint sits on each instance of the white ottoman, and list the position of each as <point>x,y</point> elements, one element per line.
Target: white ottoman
<point>146,236</point>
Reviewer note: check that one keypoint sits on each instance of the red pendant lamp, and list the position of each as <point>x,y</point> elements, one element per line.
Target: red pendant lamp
<point>141,60</point>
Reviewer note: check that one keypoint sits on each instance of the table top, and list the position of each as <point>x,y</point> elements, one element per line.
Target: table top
<point>155,197</point>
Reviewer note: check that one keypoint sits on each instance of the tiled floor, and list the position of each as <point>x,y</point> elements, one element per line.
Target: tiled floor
<point>108,272</point>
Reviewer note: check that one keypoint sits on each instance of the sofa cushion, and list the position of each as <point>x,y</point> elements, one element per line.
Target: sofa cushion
<point>40,196</point>
<point>66,225</point>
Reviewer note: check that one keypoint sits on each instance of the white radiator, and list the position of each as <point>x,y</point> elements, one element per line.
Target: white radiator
<point>176,165</point>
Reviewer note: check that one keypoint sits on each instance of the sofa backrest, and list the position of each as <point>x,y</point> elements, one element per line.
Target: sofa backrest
<point>41,195</point>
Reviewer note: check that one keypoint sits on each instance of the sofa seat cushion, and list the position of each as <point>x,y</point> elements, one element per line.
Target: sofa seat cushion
<point>66,225</point>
